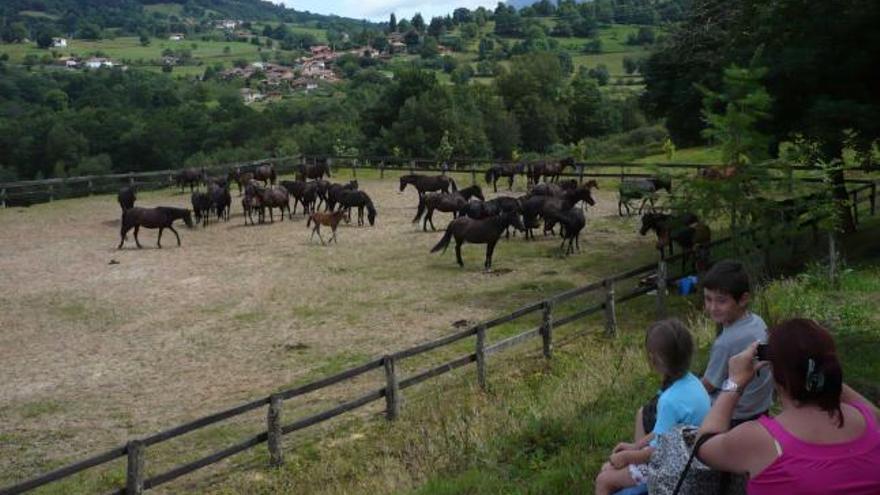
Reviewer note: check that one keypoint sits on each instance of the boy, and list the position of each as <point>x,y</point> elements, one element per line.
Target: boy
<point>726,299</point>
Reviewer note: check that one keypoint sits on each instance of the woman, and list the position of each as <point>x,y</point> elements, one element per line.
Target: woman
<point>825,440</point>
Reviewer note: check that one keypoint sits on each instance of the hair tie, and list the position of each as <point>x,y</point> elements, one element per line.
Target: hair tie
<point>815,380</point>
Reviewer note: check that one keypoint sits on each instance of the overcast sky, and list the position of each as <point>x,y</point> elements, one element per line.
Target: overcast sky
<point>380,10</point>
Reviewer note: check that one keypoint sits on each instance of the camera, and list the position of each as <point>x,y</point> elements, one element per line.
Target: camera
<point>761,355</point>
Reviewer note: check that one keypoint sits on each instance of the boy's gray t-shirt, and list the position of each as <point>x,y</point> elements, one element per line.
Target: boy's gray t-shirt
<point>734,339</point>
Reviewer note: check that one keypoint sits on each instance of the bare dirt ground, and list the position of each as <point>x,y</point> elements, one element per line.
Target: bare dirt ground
<point>94,353</point>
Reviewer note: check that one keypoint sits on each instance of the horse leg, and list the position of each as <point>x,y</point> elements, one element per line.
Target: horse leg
<point>333,237</point>
<point>137,228</point>
<point>123,233</point>
<point>489,249</point>
<point>458,253</point>
<point>509,184</point>
<point>172,229</point>
<point>159,239</point>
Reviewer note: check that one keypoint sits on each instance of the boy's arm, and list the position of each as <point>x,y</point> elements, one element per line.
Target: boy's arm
<point>716,370</point>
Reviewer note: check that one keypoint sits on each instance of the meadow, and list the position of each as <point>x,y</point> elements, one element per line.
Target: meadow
<point>101,345</point>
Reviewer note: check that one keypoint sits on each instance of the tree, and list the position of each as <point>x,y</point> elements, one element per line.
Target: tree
<point>600,74</point>
<point>89,31</point>
<point>144,38</point>
<point>462,15</point>
<point>392,23</point>
<point>418,23</point>
<point>437,27</point>
<point>462,74</point>
<point>15,32</point>
<point>487,47</point>
<point>44,38</point>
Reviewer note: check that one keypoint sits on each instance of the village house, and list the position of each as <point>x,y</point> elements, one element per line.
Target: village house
<point>59,43</point>
<point>227,24</point>
<point>177,37</point>
<point>69,62</point>
<point>250,95</point>
<point>99,62</point>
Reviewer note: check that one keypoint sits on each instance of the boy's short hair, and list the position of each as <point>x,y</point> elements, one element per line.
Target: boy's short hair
<point>729,277</point>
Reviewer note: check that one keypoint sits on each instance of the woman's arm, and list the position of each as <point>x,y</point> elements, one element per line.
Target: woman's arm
<point>849,395</point>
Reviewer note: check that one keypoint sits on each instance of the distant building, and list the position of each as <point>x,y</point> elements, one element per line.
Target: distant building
<point>59,43</point>
<point>250,96</point>
<point>177,37</point>
<point>98,62</point>
<point>227,24</point>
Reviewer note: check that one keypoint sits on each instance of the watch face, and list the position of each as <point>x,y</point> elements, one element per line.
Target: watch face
<point>728,385</point>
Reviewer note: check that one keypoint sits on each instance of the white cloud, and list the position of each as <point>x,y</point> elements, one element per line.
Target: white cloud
<point>380,10</point>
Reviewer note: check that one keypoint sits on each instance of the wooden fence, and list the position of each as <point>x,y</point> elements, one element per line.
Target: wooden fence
<point>39,191</point>
<point>395,384</point>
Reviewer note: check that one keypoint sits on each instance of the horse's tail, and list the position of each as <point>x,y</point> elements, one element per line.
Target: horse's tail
<point>452,184</point>
<point>444,242</point>
<point>490,175</point>
<point>421,209</point>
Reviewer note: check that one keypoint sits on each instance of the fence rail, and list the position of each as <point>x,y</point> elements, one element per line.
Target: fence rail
<point>135,449</point>
<point>36,191</point>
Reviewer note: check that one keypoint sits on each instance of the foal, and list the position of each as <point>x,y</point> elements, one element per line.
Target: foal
<point>330,219</point>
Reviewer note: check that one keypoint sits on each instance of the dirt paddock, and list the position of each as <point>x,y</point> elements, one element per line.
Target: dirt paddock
<point>98,344</point>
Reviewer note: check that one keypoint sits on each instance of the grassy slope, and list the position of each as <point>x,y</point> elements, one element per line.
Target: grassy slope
<point>547,427</point>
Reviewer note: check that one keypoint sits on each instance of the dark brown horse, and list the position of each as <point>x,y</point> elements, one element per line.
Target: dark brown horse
<point>428,183</point>
<point>191,177</point>
<point>221,200</point>
<point>274,197</point>
<point>448,203</point>
<point>266,174</point>
<point>349,199</point>
<point>486,231</point>
<point>249,204</point>
<point>685,229</point>
<point>202,204</point>
<point>499,170</point>
<point>152,218</point>
<point>127,197</point>
<point>548,170</point>
<point>314,171</point>
<point>330,219</point>
<point>240,178</point>
<point>333,192</point>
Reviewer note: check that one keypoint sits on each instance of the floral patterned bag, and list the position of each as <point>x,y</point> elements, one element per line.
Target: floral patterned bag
<point>673,468</point>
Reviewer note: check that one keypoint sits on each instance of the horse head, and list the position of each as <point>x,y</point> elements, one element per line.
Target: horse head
<point>187,219</point>
<point>353,185</point>
<point>581,194</point>
<point>651,221</point>
<point>591,184</point>
<point>404,180</point>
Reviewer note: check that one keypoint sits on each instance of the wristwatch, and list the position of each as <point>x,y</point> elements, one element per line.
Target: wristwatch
<point>731,386</point>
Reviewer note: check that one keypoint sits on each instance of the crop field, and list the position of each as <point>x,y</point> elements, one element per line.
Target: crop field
<point>100,345</point>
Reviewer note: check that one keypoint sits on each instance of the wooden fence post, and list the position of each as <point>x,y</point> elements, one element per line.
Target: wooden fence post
<point>481,357</point>
<point>610,315</point>
<point>392,390</point>
<point>832,258</point>
<point>661,289</point>
<point>134,478</point>
<point>412,166</point>
<point>873,198</point>
<point>382,169</point>
<point>273,420</point>
<point>581,173</point>
<point>130,179</point>
<point>547,329</point>
<point>354,168</point>
<point>91,187</point>
<point>3,197</point>
<point>855,207</point>
<point>51,193</point>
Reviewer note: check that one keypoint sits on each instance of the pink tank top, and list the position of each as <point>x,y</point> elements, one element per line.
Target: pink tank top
<point>851,468</point>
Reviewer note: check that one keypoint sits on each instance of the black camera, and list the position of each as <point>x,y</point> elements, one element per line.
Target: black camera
<point>761,355</point>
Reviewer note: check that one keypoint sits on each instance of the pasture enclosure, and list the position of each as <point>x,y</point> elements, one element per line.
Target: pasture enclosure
<point>222,277</point>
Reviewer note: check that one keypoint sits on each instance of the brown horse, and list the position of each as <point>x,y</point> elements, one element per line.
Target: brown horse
<point>240,178</point>
<point>486,231</point>
<point>127,197</point>
<point>500,170</point>
<point>274,197</point>
<point>686,230</point>
<point>720,172</point>
<point>331,219</point>
<point>189,176</point>
<point>316,171</point>
<point>266,174</point>
<point>548,170</point>
<point>152,218</point>
<point>248,205</point>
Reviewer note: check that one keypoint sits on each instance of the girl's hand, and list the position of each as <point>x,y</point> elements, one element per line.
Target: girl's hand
<point>619,459</point>
<point>623,446</point>
<point>742,367</point>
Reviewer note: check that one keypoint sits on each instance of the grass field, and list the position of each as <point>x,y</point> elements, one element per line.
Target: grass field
<point>95,353</point>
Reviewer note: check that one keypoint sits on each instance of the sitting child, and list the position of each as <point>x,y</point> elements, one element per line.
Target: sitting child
<point>682,400</point>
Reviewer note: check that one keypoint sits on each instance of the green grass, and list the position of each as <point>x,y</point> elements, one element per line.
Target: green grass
<point>702,154</point>
<point>165,8</point>
<point>38,14</point>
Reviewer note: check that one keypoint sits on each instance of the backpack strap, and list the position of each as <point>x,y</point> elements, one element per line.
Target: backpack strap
<point>699,443</point>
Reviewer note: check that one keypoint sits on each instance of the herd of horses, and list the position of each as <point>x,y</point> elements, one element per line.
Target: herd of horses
<point>549,202</point>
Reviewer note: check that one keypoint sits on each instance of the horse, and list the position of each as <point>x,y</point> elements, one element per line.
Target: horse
<point>315,171</point>
<point>332,195</point>
<point>239,177</point>
<point>499,170</point>
<point>298,190</point>
<point>127,197</point>
<point>428,183</point>
<point>552,207</point>
<point>330,219</point>
<point>486,231</point>
<point>266,174</point>
<point>644,189</point>
<point>449,203</point>
<point>202,204</point>
<point>215,181</point>
<point>485,209</point>
<point>360,199</point>
<point>686,230</point>
<point>189,176</point>
<point>152,218</point>
<point>572,222</point>
<point>548,170</point>
<point>248,205</point>
<point>720,172</point>
<point>221,200</point>
<point>274,197</point>
<point>473,191</point>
